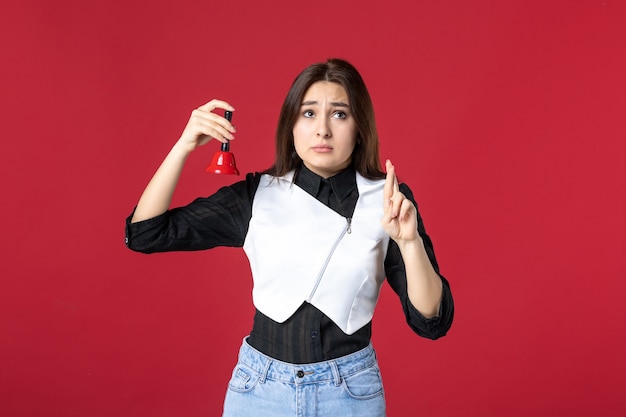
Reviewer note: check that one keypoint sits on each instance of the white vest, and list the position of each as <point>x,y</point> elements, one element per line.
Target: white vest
<point>301,250</point>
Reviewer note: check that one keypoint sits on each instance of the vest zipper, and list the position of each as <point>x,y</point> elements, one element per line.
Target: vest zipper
<point>349,220</point>
<point>321,273</point>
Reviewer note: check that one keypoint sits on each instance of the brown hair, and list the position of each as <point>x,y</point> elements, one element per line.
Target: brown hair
<point>365,158</point>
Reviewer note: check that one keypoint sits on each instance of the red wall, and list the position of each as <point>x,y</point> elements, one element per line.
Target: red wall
<point>506,119</point>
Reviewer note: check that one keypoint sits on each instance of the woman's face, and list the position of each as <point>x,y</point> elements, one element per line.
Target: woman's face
<point>325,132</point>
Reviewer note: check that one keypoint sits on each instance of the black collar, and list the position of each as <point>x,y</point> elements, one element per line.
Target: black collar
<point>342,183</point>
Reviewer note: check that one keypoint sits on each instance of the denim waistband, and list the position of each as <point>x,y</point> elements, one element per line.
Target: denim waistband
<point>334,369</point>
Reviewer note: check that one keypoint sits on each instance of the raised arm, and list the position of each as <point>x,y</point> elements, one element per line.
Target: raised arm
<point>203,125</point>
<point>424,285</point>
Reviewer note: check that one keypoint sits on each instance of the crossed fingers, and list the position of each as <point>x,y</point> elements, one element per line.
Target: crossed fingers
<point>394,204</point>
<point>399,214</point>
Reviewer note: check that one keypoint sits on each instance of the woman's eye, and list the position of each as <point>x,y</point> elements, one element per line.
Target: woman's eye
<point>339,115</point>
<point>308,113</point>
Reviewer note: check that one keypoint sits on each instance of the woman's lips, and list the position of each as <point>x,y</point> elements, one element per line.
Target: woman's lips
<point>322,149</point>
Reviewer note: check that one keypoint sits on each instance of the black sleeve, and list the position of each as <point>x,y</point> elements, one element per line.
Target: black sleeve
<point>432,328</point>
<point>218,220</point>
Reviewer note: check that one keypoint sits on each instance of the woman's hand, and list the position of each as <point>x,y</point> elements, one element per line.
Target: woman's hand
<point>204,125</point>
<point>424,286</point>
<point>400,216</point>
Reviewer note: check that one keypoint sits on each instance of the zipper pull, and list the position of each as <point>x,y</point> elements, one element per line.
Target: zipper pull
<point>349,220</point>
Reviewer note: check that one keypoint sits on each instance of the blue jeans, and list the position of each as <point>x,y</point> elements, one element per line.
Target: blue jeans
<point>262,387</point>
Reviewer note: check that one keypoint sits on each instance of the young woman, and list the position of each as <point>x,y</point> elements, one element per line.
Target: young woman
<point>322,228</point>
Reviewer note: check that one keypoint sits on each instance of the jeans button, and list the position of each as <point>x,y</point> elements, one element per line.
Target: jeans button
<point>300,374</point>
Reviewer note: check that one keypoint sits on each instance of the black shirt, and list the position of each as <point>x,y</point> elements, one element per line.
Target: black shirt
<point>308,336</point>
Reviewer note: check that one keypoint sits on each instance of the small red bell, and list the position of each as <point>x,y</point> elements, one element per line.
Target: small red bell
<point>223,161</point>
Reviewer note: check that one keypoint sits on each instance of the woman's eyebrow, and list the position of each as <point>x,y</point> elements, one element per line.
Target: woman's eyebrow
<point>334,103</point>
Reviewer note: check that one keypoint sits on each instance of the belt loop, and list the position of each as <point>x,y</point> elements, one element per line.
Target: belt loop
<point>335,370</point>
<point>265,371</point>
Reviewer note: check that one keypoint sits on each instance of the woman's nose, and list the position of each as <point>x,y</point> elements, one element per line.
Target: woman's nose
<point>323,129</point>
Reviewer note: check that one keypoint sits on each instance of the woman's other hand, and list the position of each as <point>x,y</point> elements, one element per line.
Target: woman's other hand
<point>400,216</point>
<point>204,125</point>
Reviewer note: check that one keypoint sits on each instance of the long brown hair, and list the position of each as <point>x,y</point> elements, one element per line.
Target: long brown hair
<point>365,158</point>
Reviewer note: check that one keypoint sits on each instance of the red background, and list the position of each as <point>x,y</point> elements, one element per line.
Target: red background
<point>505,118</point>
